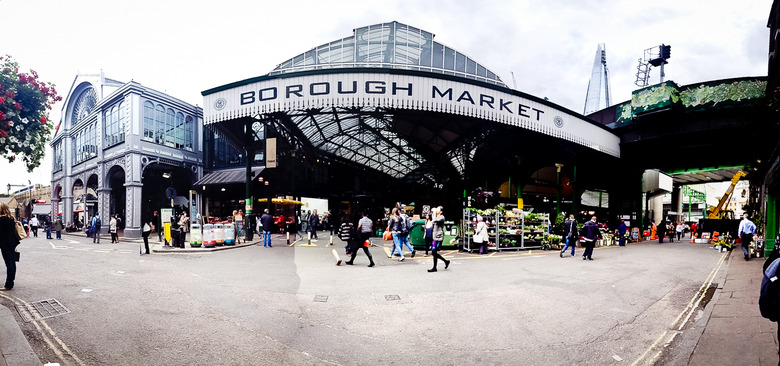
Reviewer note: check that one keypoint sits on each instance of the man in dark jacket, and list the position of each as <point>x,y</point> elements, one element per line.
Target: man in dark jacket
<point>661,232</point>
<point>266,222</point>
<point>570,231</point>
<point>314,221</point>
<point>590,233</point>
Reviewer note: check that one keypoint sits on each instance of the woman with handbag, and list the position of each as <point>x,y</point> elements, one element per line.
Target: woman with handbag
<point>481,236</point>
<point>9,239</point>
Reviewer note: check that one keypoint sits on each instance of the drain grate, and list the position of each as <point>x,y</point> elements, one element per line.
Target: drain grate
<point>320,298</point>
<point>43,309</point>
<point>392,297</point>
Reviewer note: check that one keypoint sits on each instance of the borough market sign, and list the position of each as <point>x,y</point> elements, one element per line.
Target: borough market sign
<point>400,91</point>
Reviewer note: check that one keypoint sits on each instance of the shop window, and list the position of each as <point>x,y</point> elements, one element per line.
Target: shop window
<point>148,121</point>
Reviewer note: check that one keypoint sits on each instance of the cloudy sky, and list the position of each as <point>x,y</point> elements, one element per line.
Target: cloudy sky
<point>185,47</point>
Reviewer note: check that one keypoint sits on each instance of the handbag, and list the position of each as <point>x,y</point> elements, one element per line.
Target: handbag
<point>147,228</point>
<point>20,231</point>
<point>387,235</point>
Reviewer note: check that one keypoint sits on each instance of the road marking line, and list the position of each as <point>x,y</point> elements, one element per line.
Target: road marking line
<point>52,346</point>
<point>691,305</point>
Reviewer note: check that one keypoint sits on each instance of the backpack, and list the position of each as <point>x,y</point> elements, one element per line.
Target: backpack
<point>404,224</point>
<point>97,223</point>
<point>769,300</point>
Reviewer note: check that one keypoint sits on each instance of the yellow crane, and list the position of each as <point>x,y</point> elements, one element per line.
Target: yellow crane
<point>716,212</point>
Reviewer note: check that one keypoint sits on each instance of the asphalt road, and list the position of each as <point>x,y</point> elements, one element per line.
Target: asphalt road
<point>294,306</point>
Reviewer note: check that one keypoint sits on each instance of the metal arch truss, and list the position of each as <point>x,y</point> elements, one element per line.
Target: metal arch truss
<point>362,135</point>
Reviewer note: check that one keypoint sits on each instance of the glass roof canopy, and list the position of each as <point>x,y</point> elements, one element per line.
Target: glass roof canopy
<point>389,45</point>
<point>359,135</point>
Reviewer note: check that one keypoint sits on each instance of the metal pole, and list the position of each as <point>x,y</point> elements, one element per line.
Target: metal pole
<point>662,71</point>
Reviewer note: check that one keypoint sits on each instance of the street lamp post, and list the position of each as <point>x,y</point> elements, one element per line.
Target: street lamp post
<point>29,204</point>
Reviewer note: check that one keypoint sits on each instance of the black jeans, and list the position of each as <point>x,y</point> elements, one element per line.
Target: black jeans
<point>146,240</point>
<point>10,264</point>
<point>588,249</point>
<point>365,250</point>
<point>435,252</point>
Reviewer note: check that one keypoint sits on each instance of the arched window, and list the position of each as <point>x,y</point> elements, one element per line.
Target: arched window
<point>148,121</point>
<point>179,130</point>
<point>188,133</point>
<point>109,121</point>
<point>159,121</point>
<point>170,128</point>
<point>121,122</point>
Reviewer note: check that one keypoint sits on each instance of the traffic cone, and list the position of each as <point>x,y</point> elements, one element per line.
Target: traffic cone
<point>693,239</point>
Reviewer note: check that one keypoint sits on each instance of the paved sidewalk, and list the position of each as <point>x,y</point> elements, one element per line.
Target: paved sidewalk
<point>15,350</point>
<point>736,334</point>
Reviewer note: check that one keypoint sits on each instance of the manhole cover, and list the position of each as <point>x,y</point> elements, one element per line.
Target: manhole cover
<point>392,297</point>
<point>43,309</point>
<point>320,298</point>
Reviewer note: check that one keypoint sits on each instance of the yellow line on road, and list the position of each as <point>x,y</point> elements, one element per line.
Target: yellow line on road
<point>689,309</point>
<point>52,346</point>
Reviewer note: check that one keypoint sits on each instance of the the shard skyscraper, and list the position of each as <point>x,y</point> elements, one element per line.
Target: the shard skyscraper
<point>597,97</point>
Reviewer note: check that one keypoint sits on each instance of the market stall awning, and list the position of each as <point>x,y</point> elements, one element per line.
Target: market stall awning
<point>227,176</point>
<point>280,201</point>
<point>41,209</point>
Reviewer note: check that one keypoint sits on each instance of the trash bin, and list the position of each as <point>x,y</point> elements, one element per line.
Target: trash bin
<point>230,234</point>
<point>417,233</point>
<point>219,234</point>
<point>196,238</point>
<point>208,236</point>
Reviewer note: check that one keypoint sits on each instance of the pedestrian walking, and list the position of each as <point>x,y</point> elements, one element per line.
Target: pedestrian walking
<point>654,231</point>
<point>680,229</point>
<point>47,227</point>
<point>622,230</point>
<point>265,224</point>
<point>95,229</point>
<point>406,227</point>
<point>347,233</point>
<point>480,235</point>
<point>694,230</point>
<point>58,226</point>
<point>184,226</point>
<point>112,230</point>
<point>570,228</point>
<point>428,233</point>
<point>238,220</point>
<point>9,239</point>
<point>394,226</point>
<point>34,223</point>
<point>438,237</point>
<point>147,229</point>
<point>670,230</point>
<point>314,222</point>
<point>746,231</point>
<point>661,231</point>
<point>590,233</point>
<point>365,228</point>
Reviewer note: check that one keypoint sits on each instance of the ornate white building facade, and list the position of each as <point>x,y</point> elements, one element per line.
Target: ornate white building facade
<point>123,149</point>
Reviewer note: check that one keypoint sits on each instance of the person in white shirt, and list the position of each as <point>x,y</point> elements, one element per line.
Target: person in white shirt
<point>34,226</point>
<point>679,229</point>
<point>746,231</point>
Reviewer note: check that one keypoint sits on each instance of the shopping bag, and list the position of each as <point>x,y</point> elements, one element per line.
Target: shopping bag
<point>20,230</point>
<point>387,235</point>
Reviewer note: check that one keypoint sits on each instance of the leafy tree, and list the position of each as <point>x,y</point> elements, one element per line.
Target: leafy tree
<point>25,103</point>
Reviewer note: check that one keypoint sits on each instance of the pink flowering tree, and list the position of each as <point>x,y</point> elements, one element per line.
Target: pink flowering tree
<point>25,103</point>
